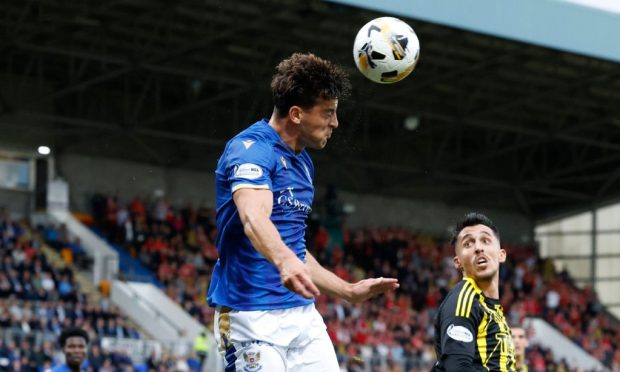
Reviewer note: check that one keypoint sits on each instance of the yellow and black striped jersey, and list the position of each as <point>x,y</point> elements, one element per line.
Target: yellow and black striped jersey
<point>471,326</point>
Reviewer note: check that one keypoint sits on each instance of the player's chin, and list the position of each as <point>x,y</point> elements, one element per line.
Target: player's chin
<point>75,360</point>
<point>485,275</point>
<point>319,145</point>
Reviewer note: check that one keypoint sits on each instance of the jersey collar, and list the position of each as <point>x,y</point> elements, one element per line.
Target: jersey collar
<point>276,137</point>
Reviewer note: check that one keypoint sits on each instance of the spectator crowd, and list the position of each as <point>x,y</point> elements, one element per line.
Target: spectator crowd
<point>393,332</point>
<point>390,333</point>
<point>37,301</point>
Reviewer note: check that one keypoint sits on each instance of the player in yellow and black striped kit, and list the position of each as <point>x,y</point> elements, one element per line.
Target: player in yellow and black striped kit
<point>471,332</point>
<point>519,339</point>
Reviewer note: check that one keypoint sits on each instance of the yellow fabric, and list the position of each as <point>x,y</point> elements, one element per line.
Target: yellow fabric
<point>201,343</point>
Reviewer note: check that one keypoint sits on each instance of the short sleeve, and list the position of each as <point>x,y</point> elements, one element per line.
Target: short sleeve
<point>249,164</point>
<point>458,333</point>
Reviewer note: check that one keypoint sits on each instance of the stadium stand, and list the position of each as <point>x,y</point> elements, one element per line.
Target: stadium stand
<point>390,333</point>
<point>132,98</point>
<point>39,299</point>
<point>393,332</point>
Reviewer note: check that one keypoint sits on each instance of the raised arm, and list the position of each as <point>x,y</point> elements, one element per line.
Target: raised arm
<point>254,206</point>
<point>331,284</point>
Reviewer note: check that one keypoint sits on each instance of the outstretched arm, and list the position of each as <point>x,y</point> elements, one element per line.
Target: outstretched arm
<point>254,208</point>
<point>331,284</point>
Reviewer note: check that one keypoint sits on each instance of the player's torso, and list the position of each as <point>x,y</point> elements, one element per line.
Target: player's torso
<point>243,279</point>
<point>494,349</point>
<point>293,192</point>
<point>289,176</point>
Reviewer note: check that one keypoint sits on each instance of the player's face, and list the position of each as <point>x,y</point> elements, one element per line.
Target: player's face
<point>520,340</point>
<point>478,253</point>
<point>75,350</point>
<point>317,123</point>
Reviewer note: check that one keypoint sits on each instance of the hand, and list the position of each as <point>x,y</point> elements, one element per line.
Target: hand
<point>296,277</point>
<point>369,288</point>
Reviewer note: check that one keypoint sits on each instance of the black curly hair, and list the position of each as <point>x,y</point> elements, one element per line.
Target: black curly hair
<point>303,78</point>
<point>72,332</point>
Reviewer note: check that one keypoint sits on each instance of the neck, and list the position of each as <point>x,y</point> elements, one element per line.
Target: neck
<point>287,130</point>
<point>489,288</point>
<point>74,368</point>
<point>519,360</point>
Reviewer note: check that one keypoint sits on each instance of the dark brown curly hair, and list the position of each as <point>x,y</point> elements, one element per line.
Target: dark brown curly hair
<point>303,78</point>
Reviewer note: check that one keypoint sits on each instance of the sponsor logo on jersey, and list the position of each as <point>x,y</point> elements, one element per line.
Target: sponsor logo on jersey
<point>287,199</point>
<point>459,333</point>
<point>248,171</point>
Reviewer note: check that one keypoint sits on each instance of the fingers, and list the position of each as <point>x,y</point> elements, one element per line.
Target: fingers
<point>385,283</point>
<point>302,288</point>
<point>296,277</point>
<point>310,286</point>
<point>382,285</point>
<point>369,288</point>
<point>302,285</point>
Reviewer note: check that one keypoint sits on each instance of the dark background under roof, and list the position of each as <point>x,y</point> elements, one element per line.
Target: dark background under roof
<point>502,124</point>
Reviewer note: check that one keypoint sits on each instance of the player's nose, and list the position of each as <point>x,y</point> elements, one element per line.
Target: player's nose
<point>334,123</point>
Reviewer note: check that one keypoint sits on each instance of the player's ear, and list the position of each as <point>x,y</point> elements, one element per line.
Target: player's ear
<point>457,263</point>
<point>294,114</point>
<point>502,255</point>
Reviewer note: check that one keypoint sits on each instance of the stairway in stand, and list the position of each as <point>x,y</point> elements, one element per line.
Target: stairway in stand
<point>86,285</point>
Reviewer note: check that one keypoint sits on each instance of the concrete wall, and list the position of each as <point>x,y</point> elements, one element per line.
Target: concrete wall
<point>17,202</point>
<point>127,179</point>
<point>561,346</point>
<point>87,175</point>
<point>430,216</point>
<point>153,311</point>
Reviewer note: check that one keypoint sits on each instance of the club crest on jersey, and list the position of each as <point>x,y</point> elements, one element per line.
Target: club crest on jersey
<point>252,361</point>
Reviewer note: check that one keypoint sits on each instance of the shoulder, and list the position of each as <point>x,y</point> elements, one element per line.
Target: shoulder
<point>461,299</point>
<point>249,147</point>
<point>256,135</point>
<point>252,139</point>
<point>451,299</point>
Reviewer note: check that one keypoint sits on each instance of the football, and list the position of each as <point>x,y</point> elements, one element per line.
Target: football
<point>386,50</point>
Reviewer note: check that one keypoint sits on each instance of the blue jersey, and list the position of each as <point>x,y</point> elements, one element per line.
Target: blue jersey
<point>257,158</point>
<point>64,368</point>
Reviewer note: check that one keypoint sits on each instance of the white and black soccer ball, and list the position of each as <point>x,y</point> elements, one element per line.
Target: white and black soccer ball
<point>386,50</point>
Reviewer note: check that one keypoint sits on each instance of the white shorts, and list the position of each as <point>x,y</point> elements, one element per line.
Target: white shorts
<point>287,340</point>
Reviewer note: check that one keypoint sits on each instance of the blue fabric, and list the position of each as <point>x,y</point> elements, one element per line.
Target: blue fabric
<point>64,368</point>
<point>140,367</point>
<point>230,358</point>
<point>257,158</point>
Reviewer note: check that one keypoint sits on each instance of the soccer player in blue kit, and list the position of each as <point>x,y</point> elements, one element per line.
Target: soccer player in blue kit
<point>265,281</point>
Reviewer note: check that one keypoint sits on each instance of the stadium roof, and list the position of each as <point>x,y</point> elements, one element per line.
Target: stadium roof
<point>501,123</point>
